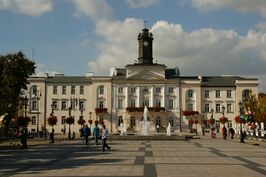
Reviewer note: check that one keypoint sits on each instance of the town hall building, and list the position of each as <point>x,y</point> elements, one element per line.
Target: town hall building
<point>122,96</point>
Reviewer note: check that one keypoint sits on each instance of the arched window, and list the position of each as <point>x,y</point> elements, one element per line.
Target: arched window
<point>120,120</point>
<point>101,90</point>
<point>190,93</point>
<point>245,94</point>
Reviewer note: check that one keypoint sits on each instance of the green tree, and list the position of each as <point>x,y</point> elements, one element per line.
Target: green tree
<point>15,68</point>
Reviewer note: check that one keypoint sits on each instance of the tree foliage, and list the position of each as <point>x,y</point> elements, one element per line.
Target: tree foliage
<point>14,70</point>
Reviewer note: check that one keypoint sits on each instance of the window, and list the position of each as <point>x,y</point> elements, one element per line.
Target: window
<point>81,90</point>
<point>190,106</point>
<point>81,105</point>
<point>34,105</point>
<point>229,93</point>
<point>63,105</point>
<point>133,90</point>
<point>171,104</point>
<point>101,119</point>
<point>120,90</point>
<point>73,89</point>
<point>33,120</point>
<point>207,94</point>
<point>34,90</point>
<point>158,121</point>
<point>171,121</point>
<point>132,122</point>
<point>245,95</point>
<point>54,89</point>
<point>190,93</point>
<point>101,90</point>
<point>158,90</point>
<point>229,108</point>
<point>120,120</point>
<point>55,105</point>
<point>218,107</point>
<point>133,102</point>
<point>170,90</point>
<point>120,103</point>
<point>145,102</point>
<point>63,120</point>
<point>158,103</point>
<point>207,107</point>
<point>218,94</point>
<point>101,104</point>
<point>63,90</point>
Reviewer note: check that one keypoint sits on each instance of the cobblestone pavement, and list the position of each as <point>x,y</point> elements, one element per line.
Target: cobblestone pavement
<point>194,158</point>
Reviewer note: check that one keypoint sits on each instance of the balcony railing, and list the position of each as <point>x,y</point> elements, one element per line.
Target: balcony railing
<point>141,109</point>
<point>100,110</point>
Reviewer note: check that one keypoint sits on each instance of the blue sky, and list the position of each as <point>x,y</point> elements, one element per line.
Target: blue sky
<point>201,37</point>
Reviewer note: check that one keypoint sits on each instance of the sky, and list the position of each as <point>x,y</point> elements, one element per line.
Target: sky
<point>200,37</point>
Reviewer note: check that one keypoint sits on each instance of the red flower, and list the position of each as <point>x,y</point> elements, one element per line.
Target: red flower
<point>81,121</point>
<point>211,121</point>
<point>23,121</point>
<point>223,120</point>
<point>52,120</point>
<point>100,110</point>
<point>239,120</point>
<point>90,121</point>
<point>190,113</point>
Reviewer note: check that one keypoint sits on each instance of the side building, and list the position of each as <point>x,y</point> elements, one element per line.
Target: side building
<point>122,96</point>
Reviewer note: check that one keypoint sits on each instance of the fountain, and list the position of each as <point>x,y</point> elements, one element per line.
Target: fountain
<point>123,130</point>
<point>145,124</point>
<point>168,130</point>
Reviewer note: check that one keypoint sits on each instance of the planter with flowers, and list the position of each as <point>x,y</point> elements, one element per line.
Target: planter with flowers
<point>23,121</point>
<point>223,120</point>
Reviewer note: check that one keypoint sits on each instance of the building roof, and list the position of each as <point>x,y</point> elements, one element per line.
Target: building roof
<point>68,79</point>
<point>222,81</point>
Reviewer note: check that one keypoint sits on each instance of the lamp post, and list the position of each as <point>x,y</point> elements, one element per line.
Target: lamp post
<point>240,114</point>
<point>38,97</point>
<point>69,113</point>
<point>90,114</point>
<point>212,113</point>
<point>196,120</point>
<point>25,103</point>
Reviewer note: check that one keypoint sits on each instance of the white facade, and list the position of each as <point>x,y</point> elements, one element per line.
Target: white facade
<point>127,90</point>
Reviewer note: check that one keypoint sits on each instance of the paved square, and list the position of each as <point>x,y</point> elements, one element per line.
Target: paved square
<point>193,158</point>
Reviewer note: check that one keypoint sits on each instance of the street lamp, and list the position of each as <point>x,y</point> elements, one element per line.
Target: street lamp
<point>196,121</point>
<point>240,114</point>
<point>25,103</point>
<point>223,109</point>
<point>38,97</point>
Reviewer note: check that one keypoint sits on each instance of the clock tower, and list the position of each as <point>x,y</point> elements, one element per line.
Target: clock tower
<point>145,47</point>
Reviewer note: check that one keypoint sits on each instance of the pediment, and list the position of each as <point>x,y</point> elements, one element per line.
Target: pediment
<point>146,75</point>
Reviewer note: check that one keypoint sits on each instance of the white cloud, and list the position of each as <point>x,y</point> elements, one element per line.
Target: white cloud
<point>141,3</point>
<point>27,7</point>
<point>262,26</point>
<point>200,52</point>
<point>96,9</point>
<point>238,5</point>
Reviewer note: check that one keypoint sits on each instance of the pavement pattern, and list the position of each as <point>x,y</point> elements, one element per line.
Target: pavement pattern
<point>183,158</point>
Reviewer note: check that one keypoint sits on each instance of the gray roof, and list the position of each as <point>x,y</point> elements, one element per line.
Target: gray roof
<point>68,79</point>
<point>222,81</point>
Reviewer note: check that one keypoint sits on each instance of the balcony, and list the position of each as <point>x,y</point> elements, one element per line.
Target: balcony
<point>100,110</point>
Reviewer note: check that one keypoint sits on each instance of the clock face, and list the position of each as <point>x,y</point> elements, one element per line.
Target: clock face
<point>145,43</point>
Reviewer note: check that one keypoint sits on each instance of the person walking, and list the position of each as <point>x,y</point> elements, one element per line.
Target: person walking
<point>224,133</point>
<point>87,133</point>
<point>104,138</point>
<point>96,134</point>
<point>232,132</point>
